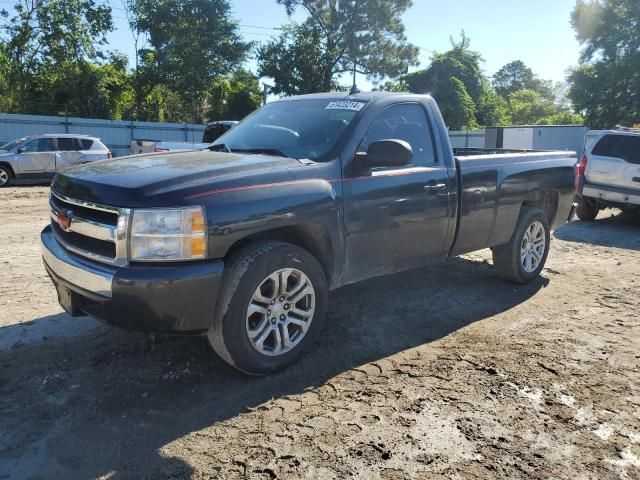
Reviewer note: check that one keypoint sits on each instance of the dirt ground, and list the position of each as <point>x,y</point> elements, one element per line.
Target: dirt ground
<point>443,372</point>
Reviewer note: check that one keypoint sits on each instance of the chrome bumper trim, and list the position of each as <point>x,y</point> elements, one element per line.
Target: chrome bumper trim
<point>82,203</point>
<point>93,278</point>
<point>87,228</point>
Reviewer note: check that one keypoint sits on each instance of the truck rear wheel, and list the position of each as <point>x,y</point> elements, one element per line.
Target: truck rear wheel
<point>523,258</point>
<point>587,210</point>
<point>271,308</point>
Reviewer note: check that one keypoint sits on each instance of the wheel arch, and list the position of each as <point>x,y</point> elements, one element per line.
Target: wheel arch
<point>547,200</point>
<point>10,168</point>
<point>312,237</point>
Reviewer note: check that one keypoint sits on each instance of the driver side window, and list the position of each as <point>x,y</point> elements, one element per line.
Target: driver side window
<point>32,147</point>
<point>408,122</point>
<point>40,145</point>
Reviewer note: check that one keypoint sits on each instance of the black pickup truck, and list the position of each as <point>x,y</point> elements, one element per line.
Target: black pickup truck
<point>242,242</point>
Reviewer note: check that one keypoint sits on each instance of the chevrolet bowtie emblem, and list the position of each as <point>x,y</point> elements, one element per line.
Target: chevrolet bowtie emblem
<point>64,220</point>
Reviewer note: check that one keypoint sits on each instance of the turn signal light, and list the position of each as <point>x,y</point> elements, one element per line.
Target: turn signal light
<point>198,247</point>
<point>197,221</point>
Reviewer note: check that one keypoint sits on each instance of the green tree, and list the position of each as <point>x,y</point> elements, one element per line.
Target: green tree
<point>492,109</point>
<point>398,85</point>
<point>456,81</point>
<point>529,107</point>
<point>457,105</point>
<point>362,35</point>
<point>139,43</point>
<point>605,87</point>
<point>516,76</point>
<point>235,96</point>
<point>45,35</point>
<point>160,104</point>
<point>93,90</point>
<point>563,117</point>
<point>7,97</point>
<point>192,42</point>
<point>299,61</point>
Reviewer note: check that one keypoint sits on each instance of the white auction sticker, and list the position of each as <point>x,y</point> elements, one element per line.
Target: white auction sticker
<point>345,105</point>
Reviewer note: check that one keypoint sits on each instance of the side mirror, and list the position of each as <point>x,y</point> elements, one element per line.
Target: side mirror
<point>387,153</point>
<point>22,149</point>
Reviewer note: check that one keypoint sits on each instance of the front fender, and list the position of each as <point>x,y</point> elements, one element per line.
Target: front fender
<point>235,214</point>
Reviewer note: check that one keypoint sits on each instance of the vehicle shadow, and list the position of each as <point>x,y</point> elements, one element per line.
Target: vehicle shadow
<point>619,231</point>
<point>52,327</point>
<point>105,405</point>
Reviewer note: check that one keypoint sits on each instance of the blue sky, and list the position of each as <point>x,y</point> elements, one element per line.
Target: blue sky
<point>537,32</point>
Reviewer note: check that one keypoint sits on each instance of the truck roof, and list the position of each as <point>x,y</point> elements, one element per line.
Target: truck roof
<point>362,96</point>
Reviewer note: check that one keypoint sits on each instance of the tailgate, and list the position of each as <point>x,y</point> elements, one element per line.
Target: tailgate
<point>615,162</point>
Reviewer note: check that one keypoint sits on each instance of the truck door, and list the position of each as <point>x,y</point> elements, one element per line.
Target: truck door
<point>37,156</point>
<point>398,218</point>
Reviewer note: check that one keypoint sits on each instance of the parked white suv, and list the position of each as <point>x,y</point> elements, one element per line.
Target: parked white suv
<point>37,158</point>
<point>608,176</point>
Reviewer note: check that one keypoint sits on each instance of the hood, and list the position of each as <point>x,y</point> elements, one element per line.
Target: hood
<point>160,179</point>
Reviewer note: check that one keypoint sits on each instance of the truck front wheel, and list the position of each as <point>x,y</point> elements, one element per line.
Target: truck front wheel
<point>523,258</point>
<point>271,308</point>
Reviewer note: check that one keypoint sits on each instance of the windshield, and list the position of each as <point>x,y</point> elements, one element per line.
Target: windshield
<point>11,145</point>
<point>301,129</point>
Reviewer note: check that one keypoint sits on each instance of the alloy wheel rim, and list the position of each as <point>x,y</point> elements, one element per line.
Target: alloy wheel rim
<point>4,177</point>
<point>533,246</point>
<point>280,312</point>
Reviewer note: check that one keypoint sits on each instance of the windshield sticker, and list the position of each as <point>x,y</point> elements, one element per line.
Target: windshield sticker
<point>345,105</point>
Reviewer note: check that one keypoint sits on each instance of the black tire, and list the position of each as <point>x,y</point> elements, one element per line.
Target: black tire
<point>587,210</point>
<point>244,273</point>
<point>507,258</point>
<point>5,172</point>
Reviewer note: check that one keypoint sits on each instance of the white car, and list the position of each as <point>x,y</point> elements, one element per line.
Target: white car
<point>608,176</point>
<point>37,158</point>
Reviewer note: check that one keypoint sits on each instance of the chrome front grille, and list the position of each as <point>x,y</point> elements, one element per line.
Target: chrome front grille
<point>94,231</point>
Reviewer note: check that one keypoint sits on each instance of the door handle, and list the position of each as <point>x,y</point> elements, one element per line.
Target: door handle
<point>435,187</point>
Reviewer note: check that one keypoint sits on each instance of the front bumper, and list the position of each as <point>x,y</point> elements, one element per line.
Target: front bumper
<point>170,298</point>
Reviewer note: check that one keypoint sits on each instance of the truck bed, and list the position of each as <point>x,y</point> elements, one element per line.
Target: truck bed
<point>492,184</point>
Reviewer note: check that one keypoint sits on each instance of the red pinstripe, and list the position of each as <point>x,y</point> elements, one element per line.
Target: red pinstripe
<point>398,173</point>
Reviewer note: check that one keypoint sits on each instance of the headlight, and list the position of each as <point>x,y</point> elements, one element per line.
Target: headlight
<point>168,235</point>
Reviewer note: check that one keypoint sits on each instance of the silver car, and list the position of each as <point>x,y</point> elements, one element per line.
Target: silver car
<point>38,157</point>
